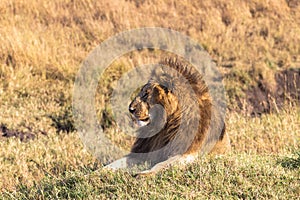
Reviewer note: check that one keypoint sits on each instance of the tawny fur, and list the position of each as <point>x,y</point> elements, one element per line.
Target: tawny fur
<point>160,90</point>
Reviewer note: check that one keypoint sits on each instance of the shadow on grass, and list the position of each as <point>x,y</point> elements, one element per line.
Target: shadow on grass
<point>63,121</point>
<point>291,163</point>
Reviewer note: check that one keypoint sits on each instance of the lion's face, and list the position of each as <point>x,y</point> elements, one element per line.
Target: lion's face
<point>150,95</point>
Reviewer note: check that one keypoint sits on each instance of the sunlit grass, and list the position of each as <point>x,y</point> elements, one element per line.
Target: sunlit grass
<point>59,165</point>
<point>42,46</point>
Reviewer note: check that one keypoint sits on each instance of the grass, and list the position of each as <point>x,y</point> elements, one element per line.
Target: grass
<point>291,162</point>
<point>57,166</point>
<point>42,46</point>
<point>239,176</point>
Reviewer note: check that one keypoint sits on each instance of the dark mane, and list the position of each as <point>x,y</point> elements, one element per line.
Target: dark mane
<point>189,72</point>
<point>184,68</point>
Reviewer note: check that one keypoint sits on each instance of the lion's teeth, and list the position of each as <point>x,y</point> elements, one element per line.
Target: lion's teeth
<point>142,123</point>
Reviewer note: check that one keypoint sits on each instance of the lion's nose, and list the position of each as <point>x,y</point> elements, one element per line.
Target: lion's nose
<point>131,109</point>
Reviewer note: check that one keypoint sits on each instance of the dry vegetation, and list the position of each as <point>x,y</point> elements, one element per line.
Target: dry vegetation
<point>43,44</point>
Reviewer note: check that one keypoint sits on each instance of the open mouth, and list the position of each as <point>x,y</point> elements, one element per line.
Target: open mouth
<point>143,122</point>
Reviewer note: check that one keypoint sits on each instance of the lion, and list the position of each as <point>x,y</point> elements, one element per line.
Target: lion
<point>176,119</point>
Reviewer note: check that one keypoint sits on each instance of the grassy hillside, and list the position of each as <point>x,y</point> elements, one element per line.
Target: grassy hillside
<point>264,163</point>
<point>42,46</point>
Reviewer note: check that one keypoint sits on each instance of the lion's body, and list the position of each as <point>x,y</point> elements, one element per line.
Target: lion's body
<point>188,124</point>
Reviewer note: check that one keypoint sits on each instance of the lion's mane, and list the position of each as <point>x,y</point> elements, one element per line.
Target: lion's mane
<point>169,132</point>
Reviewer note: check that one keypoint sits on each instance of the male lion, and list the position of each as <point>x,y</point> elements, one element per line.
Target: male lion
<point>176,119</point>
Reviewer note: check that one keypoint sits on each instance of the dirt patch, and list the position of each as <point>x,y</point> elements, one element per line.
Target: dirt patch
<point>22,135</point>
<point>265,99</point>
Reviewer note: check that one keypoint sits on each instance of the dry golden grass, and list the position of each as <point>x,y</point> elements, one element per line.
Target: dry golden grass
<point>239,33</point>
<point>271,137</point>
<point>269,134</point>
<point>43,44</point>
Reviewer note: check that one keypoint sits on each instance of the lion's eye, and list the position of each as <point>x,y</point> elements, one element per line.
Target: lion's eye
<point>145,95</point>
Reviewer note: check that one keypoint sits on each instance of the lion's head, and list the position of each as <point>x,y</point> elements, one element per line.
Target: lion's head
<point>150,96</point>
